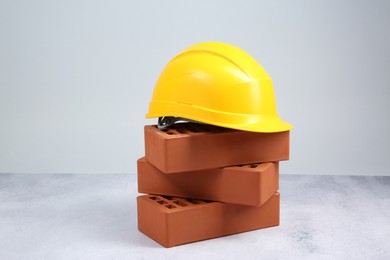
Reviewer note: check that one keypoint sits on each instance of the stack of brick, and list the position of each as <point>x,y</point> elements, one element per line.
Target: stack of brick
<point>205,182</point>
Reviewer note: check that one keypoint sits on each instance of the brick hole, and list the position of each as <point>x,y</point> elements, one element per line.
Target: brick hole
<point>178,202</point>
<point>167,197</point>
<point>253,166</point>
<point>195,201</point>
<point>153,198</point>
<point>181,130</point>
<point>161,202</point>
<point>170,132</point>
<point>169,206</point>
<point>163,130</point>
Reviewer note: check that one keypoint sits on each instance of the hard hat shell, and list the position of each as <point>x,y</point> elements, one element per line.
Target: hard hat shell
<point>219,84</point>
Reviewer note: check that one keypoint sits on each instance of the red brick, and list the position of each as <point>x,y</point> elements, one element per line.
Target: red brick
<point>251,184</point>
<point>191,147</point>
<point>175,221</point>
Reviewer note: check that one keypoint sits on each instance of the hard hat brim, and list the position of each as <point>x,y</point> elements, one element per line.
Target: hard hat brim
<point>245,122</point>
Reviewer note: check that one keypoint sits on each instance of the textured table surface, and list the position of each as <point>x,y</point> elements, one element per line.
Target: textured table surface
<point>70,216</point>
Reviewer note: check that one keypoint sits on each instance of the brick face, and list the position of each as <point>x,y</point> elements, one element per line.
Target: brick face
<point>173,221</point>
<point>191,147</point>
<point>251,184</point>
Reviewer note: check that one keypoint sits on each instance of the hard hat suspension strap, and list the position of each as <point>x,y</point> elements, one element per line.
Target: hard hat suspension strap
<point>166,121</point>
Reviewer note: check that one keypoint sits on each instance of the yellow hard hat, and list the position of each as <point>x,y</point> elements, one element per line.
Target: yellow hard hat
<point>218,84</point>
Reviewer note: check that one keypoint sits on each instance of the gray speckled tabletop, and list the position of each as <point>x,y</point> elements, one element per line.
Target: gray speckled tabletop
<point>70,216</point>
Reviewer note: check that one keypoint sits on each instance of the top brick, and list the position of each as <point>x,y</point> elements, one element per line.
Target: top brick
<point>190,147</point>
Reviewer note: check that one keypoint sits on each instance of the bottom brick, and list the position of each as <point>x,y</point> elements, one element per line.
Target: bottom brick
<point>173,221</point>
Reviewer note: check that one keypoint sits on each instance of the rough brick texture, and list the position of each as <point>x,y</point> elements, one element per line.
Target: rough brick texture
<point>174,221</point>
<point>251,184</point>
<point>191,147</point>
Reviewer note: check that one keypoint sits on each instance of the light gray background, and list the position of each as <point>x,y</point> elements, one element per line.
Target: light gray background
<point>76,78</point>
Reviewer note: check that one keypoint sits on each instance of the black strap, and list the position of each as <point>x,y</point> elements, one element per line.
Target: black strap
<point>166,121</point>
